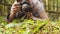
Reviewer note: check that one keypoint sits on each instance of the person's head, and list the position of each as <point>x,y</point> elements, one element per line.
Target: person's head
<point>19,0</point>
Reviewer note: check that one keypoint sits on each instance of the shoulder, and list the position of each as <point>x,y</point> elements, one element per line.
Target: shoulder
<point>35,2</point>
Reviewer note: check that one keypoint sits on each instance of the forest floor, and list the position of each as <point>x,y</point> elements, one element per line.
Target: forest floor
<point>29,27</point>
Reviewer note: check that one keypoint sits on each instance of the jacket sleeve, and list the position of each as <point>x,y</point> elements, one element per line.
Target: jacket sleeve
<point>40,9</point>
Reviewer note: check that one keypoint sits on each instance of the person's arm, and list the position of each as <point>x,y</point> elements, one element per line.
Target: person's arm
<point>14,9</point>
<point>41,11</point>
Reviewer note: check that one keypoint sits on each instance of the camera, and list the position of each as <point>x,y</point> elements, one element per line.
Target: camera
<point>26,6</point>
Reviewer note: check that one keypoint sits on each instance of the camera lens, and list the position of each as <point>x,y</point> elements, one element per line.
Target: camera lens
<point>25,7</point>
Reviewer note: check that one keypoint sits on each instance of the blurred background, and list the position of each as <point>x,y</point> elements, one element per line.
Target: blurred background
<point>52,8</point>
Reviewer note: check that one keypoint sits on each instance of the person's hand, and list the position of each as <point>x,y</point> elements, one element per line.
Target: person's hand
<point>16,7</point>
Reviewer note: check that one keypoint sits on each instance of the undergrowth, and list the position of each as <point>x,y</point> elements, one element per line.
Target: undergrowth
<point>29,27</point>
